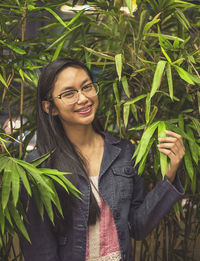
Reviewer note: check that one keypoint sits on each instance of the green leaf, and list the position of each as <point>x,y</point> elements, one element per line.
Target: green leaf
<point>183,74</point>
<point>143,161</point>
<point>57,17</point>
<point>153,114</point>
<point>138,98</point>
<point>166,55</point>
<point>157,77</point>
<point>145,141</point>
<point>6,187</point>
<point>14,47</point>
<point>193,146</point>
<point>18,221</point>
<point>188,162</point>
<point>99,54</point>
<point>15,180</point>
<point>181,121</point>
<point>116,92</point>
<point>34,172</point>
<point>23,177</point>
<point>58,49</point>
<point>3,81</point>
<point>2,220</point>
<point>148,108</point>
<point>125,86</point>
<point>163,157</point>
<point>169,80</point>
<point>41,159</point>
<point>198,98</point>
<point>134,111</point>
<point>149,25</point>
<point>46,198</point>
<point>126,112</point>
<point>118,63</point>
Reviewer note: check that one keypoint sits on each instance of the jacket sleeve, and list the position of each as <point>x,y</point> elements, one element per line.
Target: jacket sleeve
<point>44,246</point>
<point>146,211</point>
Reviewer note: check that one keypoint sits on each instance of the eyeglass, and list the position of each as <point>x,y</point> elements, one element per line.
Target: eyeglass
<point>71,96</point>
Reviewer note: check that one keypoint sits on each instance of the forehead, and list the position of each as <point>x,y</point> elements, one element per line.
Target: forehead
<point>70,77</point>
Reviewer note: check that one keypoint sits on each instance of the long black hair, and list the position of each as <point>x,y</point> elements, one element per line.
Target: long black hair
<point>52,137</point>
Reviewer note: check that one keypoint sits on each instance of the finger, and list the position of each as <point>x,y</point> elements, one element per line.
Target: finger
<point>171,146</point>
<point>175,135</point>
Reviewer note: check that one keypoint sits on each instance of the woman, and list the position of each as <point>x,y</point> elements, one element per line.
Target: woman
<point>113,206</point>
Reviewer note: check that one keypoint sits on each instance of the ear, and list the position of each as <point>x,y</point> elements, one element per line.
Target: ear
<point>46,106</point>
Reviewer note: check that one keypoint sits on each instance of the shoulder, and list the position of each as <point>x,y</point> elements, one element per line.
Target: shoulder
<point>127,148</point>
<point>32,155</point>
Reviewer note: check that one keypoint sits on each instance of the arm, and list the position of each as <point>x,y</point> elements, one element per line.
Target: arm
<point>146,212</point>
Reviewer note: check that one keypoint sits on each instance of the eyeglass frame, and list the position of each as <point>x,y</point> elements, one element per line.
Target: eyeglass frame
<point>59,96</point>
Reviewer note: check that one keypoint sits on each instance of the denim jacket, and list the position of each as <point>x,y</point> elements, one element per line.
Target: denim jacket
<point>135,214</point>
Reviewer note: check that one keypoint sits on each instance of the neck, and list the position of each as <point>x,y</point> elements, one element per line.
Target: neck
<point>81,136</point>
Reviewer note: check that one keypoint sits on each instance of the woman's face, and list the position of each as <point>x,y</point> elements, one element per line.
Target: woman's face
<point>83,111</point>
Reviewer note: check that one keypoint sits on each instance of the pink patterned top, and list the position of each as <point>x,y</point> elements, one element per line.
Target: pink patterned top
<point>102,239</point>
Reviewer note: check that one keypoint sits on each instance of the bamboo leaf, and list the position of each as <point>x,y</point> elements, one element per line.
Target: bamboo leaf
<point>118,63</point>
<point>181,121</point>
<point>14,48</point>
<point>6,187</point>
<point>99,54</point>
<point>126,111</point>
<point>148,108</point>
<point>134,111</point>
<point>116,92</point>
<point>23,177</point>
<point>58,49</point>
<point>143,161</point>
<point>163,157</point>
<point>198,97</point>
<point>18,221</point>
<point>3,81</point>
<point>15,180</point>
<point>145,141</point>
<point>183,74</point>
<point>169,80</point>
<point>57,17</point>
<point>166,55</point>
<point>2,220</point>
<point>149,25</point>
<point>153,114</point>
<point>125,86</point>
<point>193,146</point>
<point>157,77</point>
<point>188,162</point>
<point>41,159</point>
<point>134,100</point>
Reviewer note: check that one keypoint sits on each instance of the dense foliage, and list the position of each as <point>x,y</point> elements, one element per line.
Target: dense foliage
<point>147,63</point>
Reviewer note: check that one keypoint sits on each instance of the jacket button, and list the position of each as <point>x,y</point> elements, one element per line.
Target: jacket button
<point>127,170</point>
<point>117,215</point>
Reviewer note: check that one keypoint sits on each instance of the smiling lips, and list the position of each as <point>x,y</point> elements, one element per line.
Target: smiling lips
<point>85,110</point>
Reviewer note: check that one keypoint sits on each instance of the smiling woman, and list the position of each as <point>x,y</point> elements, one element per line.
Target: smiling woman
<point>113,206</point>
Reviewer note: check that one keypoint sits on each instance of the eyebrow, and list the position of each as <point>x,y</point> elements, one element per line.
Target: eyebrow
<point>71,87</point>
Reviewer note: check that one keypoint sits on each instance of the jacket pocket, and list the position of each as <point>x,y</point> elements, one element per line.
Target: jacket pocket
<point>123,177</point>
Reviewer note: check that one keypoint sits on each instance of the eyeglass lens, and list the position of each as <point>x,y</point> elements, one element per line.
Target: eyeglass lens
<point>88,90</point>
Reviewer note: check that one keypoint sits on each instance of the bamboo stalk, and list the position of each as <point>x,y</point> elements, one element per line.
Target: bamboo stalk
<point>22,84</point>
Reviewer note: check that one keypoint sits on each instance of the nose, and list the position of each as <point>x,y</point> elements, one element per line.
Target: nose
<point>82,98</point>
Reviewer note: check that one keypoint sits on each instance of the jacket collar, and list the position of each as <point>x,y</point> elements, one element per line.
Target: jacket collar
<point>111,152</point>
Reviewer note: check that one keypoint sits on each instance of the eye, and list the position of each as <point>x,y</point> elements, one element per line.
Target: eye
<point>87,87</point>
<point>68,94</point>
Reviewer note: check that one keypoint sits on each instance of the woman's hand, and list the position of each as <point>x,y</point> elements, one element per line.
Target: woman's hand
<point>173,147</point>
